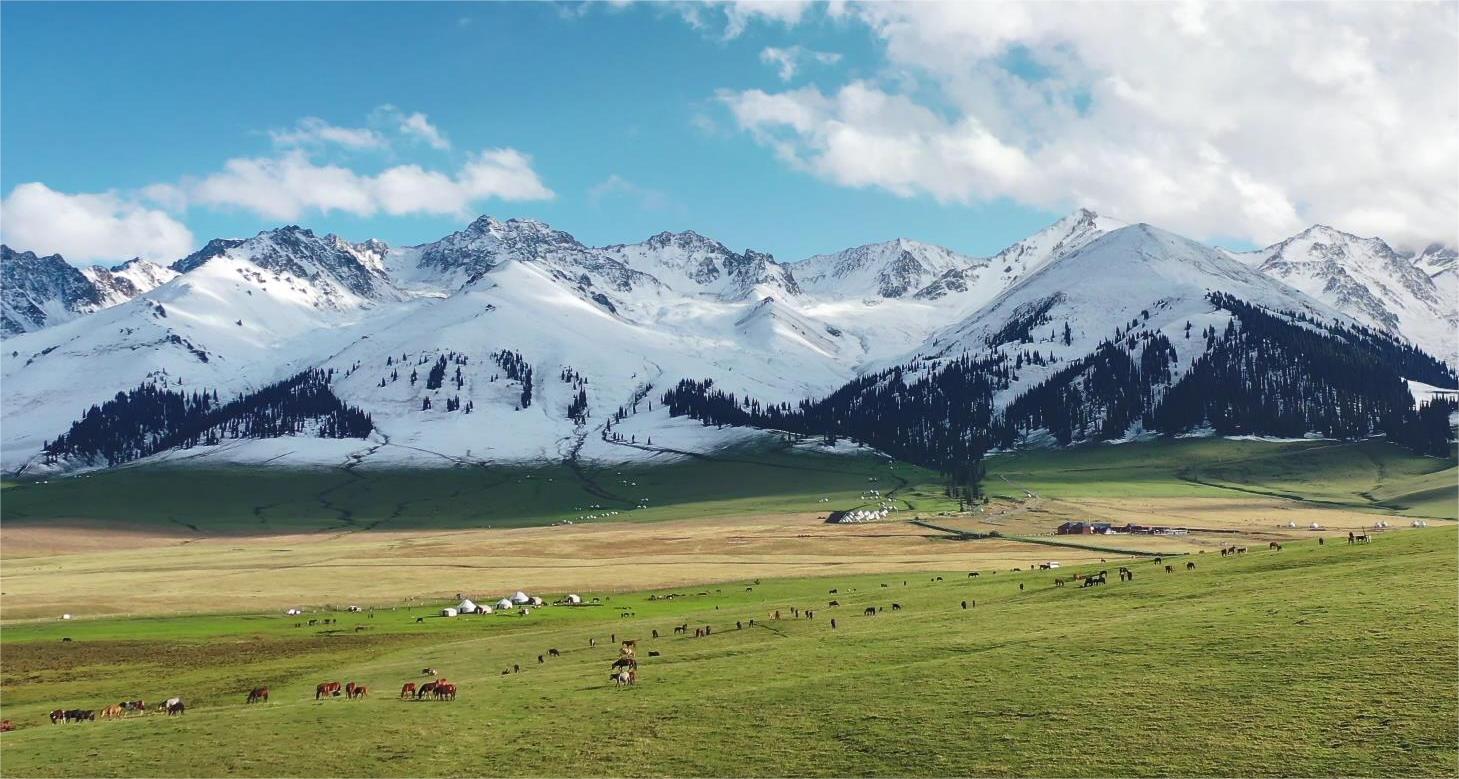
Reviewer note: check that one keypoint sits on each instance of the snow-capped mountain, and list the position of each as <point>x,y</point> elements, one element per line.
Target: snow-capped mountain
<point>1370,281</point>
<point>1441,263</point>
<point>121,283</point>
<point>512,340</point>
<point>41,291</point>
<point>690,262</point>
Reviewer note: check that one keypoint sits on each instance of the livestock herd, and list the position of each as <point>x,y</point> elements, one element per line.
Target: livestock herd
<point>624,670</point>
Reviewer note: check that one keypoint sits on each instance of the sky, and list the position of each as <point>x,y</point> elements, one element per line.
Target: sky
<point>795,128</point>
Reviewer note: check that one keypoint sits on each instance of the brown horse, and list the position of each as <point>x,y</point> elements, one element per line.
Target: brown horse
<point>359,691</point>
<point>258,695</point>
<point>113,711</point>
<point>326,690</point>
<point>408,690</point>
<point>445,692</point>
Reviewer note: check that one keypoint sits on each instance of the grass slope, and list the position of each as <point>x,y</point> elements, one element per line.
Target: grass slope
<point>1315,660</point>
<point>1368,475</point>
<point>263,500</point>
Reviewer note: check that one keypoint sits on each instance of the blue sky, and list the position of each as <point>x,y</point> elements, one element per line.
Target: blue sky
<point>635,119</point>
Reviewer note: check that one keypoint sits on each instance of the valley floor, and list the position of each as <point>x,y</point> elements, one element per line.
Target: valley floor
<point>1313,660</point>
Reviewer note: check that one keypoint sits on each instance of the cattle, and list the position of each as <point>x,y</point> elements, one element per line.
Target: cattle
<point>972,574</point>
<point>832,592</point>
<point>258,695</point>
<point>833,623</point>
<point>965,604</point>
<point>653,653</point>
<point>834,603</point>
<point>896,607</point>
<point>1274,546</point>
<point>1321,541</point>
<point>516,669</point>
<point>427,672</point>
<point>326,690</point>
<point>407,690</point>
<point>1157,561</point>
<point>1190,566</point>
<point>58,716</point>
<point>1058,582</point>
<point>870,611</point>
<point>1170,569</point>
<point>541,659</point>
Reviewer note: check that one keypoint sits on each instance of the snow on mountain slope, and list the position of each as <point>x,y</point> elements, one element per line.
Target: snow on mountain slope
<point>254,313</point>
<point>121,283</point>
<point>1441,263</point>
<point>1133,279</point>
<point>693,264</point>
<point>39,291</point>
<point>892,269</point>
<point>1366,279</point>
<point>605,322</point>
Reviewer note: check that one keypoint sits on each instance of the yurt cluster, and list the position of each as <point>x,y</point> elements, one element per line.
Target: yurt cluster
<point>518,603</point>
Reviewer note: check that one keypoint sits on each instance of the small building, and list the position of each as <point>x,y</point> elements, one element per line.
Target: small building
<point>448,612</point>
<point>1076,529</point>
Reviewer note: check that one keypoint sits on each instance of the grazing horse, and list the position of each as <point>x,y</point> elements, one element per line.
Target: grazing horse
<point>1058,582</point>
<point>176,708</point>
<point>349,690</point>
<point>258,694</point>
<point>896,607</point>
<point>58,716</point>
<point>427,689</point>
<point>1190,566</point>
<point>620,679</point>
<point>445,692</point>
<point>138,706</point>
<point>407,690</point>
<point>1157,561</point>
<point>870,611</point>
<point>6,726</point>
<point>625,662</point>
<point>1170,569</point>
<point>326,689</point>
<point>361,691</point>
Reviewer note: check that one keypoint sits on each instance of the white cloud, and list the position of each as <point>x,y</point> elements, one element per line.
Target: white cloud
<point>787,60</point>
<point>311,130</point>
<point>733,18</point>
<point>1245,120</point>
<point>89,227</point>
<point>413,125</point>
<point>290,185</point>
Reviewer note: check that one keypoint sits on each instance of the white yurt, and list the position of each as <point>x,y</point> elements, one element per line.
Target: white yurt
<point>504,603</point>
<point>535,601</point>
<point>521,597</point>
<point>483,609</point>
<point>574,599</point>
<point>466,607</point>
<point>293,612</point>
<point>448,612</point>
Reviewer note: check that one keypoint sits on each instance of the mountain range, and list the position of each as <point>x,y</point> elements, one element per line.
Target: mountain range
<point>512,340</point>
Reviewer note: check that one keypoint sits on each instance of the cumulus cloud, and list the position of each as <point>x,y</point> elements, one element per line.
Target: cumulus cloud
<point>89,227</point>
<point>311,130</point>
<point>290,185</point>
<point>413,125</point>
<point>787,60</point>
<point>1241,120</point>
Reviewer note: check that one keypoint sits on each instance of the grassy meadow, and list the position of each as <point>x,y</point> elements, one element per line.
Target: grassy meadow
<point>1314,660</point>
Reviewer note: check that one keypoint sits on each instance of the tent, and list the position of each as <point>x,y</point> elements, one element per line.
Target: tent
<point>535,601</point>
<point>448,612</point>
<point>483,609</point>
<point>574,599</point>
<point>521,597</point>
<point>466,607</point>
<point>293,612</point>
<point>504,603</point>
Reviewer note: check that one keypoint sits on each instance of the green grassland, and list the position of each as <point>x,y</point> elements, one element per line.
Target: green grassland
<point>1314,660</point>
<point>1368,475</point>
<point>746,480</point>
